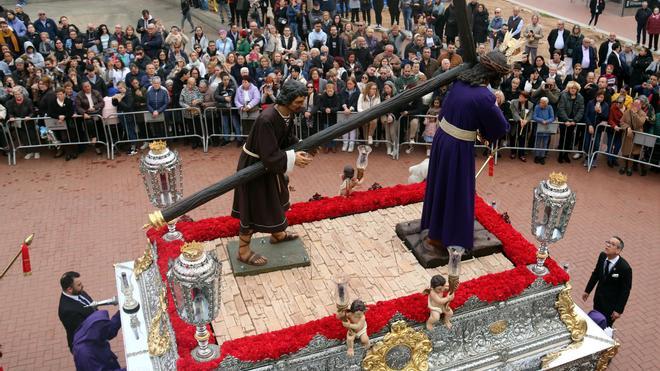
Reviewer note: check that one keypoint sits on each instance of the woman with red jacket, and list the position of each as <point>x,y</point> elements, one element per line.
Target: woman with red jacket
<point>653,28</point>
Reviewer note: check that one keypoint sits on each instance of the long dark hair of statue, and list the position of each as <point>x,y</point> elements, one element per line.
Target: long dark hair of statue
<point>490,70</point>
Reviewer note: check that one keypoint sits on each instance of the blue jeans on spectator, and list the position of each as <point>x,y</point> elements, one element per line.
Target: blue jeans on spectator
<point>229,121</point>
<point>294,28</point>
<point>223,10</point>
<point>541,144</point>
<point>613,144</point>
<point>204,4</point>
<point>407,18</point>
<point>128,120</point>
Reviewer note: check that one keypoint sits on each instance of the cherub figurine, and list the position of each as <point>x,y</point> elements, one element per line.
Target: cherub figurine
<point>353,319</point>
<point>348,182</point>
<point>438,302</point>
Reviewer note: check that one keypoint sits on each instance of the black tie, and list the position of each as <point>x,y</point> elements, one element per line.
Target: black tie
<point>83,300</point>
<point>607,267</point>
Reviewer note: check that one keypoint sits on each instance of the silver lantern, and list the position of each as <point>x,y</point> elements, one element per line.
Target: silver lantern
<point>551,210</point>
<point>163,180</point>
<point>194,279</point>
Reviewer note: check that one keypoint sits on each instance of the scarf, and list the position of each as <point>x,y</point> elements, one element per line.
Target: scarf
<point>14,40</point>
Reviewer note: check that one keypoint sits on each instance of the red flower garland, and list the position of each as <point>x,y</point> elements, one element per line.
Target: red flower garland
<point>489,288</point>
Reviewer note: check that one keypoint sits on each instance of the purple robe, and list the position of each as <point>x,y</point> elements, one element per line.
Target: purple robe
<point>91,343</point>
<point>448,211</point>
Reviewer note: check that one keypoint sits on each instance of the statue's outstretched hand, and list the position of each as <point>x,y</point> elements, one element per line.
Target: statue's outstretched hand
<point>303,159</point>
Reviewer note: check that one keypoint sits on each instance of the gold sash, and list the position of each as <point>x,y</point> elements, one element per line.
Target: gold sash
<point>460,134</point>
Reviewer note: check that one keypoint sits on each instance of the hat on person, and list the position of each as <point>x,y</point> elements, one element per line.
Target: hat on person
<point>19,6</point>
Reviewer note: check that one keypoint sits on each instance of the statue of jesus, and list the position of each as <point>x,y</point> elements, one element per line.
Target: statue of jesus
<point>448,211</point>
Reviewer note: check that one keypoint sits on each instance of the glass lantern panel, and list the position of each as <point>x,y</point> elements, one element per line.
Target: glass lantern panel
<point>201,306</point>
<point>179,298</point>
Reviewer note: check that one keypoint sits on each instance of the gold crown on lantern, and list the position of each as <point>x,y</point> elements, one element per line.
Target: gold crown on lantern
<point>557,179</point>
<point>192,250</point>
<point>158,146</point>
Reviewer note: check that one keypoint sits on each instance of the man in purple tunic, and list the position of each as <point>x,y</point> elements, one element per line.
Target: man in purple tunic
<point>448,211</point>
<point>91,343</point>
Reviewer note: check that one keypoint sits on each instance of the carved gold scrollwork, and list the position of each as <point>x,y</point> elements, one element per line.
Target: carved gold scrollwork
<point>566,308</point>
<point>158,340</point>
<point>403,346</point>
<point>143,263</point>
<point>607,356</point>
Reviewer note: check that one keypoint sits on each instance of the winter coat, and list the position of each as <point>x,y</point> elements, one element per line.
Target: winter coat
<point>634,122</point>
<point>653,24</point>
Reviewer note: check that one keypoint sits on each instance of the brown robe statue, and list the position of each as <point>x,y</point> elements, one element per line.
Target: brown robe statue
<point>261,203</point>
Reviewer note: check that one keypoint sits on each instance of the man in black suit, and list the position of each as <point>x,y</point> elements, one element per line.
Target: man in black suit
<point>605,49</point>
<point>72,302</point>
<point>557,38</point>
<point>586,56</point>
<point>614,278</point>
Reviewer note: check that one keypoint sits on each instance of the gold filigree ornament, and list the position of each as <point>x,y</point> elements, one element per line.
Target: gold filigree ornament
<point>498,327</point>
<point>143,263</point>
<point>402,349</point>
<point>557,179</point>
<point>192,250</point>
<point>606,357</point>
<point>566,308</point>
<point>158,340</point>
<point>158,146</point>
<point>550,357</point>
<point>156,220</point>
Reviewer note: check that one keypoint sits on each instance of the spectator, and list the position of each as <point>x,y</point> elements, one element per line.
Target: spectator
<point>45,24</point>
<point>327,107</point>
<point>605,49</point>
<point>89,102</point>
<point>544,115</point>
<point>479,24</point>
<point>653,28</point>
<point>612,278</point>
<point>522,110</point>
<point>21,109</point>
<point>633,120</point>
<point>573,43</point>
<point>185,12</point>
<point>143,22</point>
<point>614,130</point>
<point>597,113</point>
<point>570,112</point>
<point>317,37</point>
<point>586,56</point>
<point>596,8</point>
<point>641,17</point>
<point>515,23</point>
<point>533,33</point>
<point>151,41</point>
<point>191,99</point>
<point>8,37</point>
<point>558,38</point>
<point>369,97</point>
<point>157,101</point>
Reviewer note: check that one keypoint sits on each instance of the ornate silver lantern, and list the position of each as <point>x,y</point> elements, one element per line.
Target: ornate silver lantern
<point>551,210</point>
<point>194,279</point>
<point>163,180</point>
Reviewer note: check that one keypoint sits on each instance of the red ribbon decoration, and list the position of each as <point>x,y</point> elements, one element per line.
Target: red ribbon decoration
<point>491,167</point>
<point>25,253</point>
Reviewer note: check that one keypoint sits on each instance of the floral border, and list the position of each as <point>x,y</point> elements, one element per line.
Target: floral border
<point>272,345</point>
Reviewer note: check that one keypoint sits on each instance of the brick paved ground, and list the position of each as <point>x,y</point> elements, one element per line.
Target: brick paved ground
<point>87,215</point>
<point>363,247</point>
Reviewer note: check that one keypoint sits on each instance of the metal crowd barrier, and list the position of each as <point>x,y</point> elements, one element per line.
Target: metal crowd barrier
<point>306,127</point>
<point>174,123</point>
<point>7,144</point>
<point>646,141</point>
<point>26,133</point>
<point>529,136</point>
<point>418,138</point>
<point>227,123</point>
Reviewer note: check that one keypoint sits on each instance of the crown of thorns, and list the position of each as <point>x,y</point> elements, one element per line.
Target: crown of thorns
<point>495,61</point>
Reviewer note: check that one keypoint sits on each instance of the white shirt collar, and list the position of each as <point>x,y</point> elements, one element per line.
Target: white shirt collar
<point>74,297</point>
<point>613,261</point>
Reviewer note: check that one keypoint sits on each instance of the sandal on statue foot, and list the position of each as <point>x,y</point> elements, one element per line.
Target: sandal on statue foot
<point>287,237</point>
<point>253,259</point>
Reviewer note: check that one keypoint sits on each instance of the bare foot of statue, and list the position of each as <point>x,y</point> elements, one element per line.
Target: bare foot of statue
<point>246,255</point>
<point>283,236</point>
<point>447,323</point>
<point>429,326</point>
<point>350,352</point>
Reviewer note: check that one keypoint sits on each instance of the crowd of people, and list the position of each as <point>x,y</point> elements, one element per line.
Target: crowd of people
<point>56,69</point>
